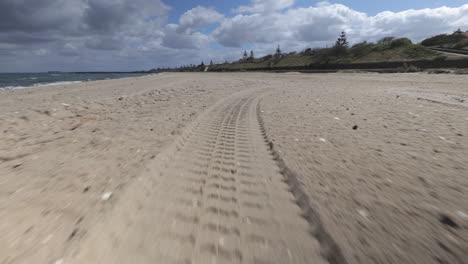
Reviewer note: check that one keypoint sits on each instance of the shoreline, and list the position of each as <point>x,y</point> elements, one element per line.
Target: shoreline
<point>60,82</point>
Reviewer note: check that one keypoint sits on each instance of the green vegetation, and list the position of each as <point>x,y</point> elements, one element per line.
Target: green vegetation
<point>386,50</point>
<point>418,51</point>
<point>442,40</point>
<point>461,44</point>
<point>401,42</point>
<point>408,68</point>
<point>438,71</point>
<point>456,40</point>
<point>461,71</point>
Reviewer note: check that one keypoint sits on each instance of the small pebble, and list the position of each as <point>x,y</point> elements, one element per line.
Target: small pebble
<point>462,214</point>
<point>363,213</point>
<point>447,220</point>
<point>322,139</point>
<point>355,127</point>
<point>106,196</point>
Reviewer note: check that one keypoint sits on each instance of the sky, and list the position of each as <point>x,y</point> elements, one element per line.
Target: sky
<point>127,35</point>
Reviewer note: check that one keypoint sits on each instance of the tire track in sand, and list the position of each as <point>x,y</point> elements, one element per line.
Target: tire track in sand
<point>216,196</point>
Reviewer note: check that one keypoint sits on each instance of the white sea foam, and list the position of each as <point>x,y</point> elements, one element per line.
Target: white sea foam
<point>7,88</point>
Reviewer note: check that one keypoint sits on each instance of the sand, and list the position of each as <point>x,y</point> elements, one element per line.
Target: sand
<point>246,167</point>
<point>384,160</point>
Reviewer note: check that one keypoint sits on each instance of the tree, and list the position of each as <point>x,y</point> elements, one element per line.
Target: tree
<point>385,41</point>
<point>251,54</point>
<point>341,45</point>
<point>278,51</point>
<point>342,41</point>
<point>400,42</point>
<point>245,56</point>
<point>307,51</point>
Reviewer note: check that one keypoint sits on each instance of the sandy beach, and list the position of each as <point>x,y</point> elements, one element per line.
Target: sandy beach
<point>236,168</point>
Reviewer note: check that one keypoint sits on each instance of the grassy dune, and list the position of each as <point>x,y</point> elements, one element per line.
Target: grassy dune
<point>385,50</point>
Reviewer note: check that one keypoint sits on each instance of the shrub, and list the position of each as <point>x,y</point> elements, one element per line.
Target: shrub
<point>361,49</point>
<point>380,48</point>
<point>400,42</point>
<point>265,58</point>
<point>308,51</point>
<point>341,60</point>
<point>323,55</point>
<point>438,71</point>
<point>440,58</point>
<point>461,44</point>
<point>385,41</point>
<point>443,39</point>
<point>408,68</point>
<point>461,71</point>
<point>413,68</point>
<point>418,51</point>
<point>339,51</point>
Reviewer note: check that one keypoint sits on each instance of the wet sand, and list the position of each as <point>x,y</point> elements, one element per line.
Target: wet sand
<point>381,160</point>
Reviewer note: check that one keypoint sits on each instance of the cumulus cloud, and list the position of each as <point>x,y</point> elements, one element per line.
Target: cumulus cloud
<point>418,24</point>
<point>39,15</point>
<point>243,29</point>
<point>45,27</point>
<point>176,39</point>
<point>314,24</point>
<point>134,34</point>
<point>264,6</point>
<point>79,17</point>
<point>199,17</point>
<point>320,24</point>
<point>185,35</point>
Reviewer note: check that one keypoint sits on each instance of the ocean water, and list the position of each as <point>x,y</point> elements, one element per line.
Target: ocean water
<point>10,81</point>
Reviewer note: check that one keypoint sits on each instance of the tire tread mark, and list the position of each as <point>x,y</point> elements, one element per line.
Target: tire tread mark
<point>330,249</point>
